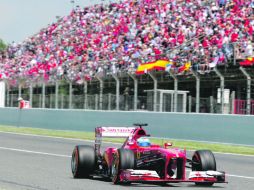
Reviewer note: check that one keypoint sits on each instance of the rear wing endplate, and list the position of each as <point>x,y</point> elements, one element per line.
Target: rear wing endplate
<point>111,132</point>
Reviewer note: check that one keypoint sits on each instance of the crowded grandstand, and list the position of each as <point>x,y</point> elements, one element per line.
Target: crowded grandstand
<point>168,39</point>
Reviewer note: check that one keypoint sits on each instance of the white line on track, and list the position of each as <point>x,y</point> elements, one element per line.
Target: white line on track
<point>52,137</point>
<point>34,152</point>
<point>92,141</point>
<point>45,136</point>
<point>66,156</point>
<point>239,176</point>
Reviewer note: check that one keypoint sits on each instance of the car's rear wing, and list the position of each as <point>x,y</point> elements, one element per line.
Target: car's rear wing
<point>111,132</point>
<point>114,132</point>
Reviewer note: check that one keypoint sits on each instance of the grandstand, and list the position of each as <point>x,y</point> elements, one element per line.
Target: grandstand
<point>155,55</point>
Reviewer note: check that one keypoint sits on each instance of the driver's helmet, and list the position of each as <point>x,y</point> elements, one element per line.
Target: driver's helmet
<point>143,141</point>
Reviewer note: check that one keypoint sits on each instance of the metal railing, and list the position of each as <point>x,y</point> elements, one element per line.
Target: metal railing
<point>144,103</point>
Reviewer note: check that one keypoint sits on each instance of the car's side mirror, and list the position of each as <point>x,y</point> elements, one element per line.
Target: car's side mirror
<point>167,144</point>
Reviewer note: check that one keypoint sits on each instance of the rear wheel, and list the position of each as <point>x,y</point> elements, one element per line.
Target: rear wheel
<point>123,159</point>
<point>203,160</point>
<point>83,161</point>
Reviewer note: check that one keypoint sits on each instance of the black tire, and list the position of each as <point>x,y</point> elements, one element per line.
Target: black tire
<point>203,160</point>
<point>123,159</point>
<point>83,161</point>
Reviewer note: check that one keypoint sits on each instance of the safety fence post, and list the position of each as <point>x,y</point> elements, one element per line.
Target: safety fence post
<point>117,90</point>
<point>196,75</point>
<point>222,85</point>
<point>135,103</point>
<point>248,107</point>
<point>101,91</point>
<point>175,90</point>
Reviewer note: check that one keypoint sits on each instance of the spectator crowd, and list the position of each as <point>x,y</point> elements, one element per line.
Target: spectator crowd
<point>119,36</point>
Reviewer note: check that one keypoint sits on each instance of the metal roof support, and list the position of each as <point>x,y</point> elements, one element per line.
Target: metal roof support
<point>211,105</point>
<point>248,111</point>
<point>31,94</point>
<point>189,104</point>
<point>56,94</point>
<point>101,91</point>
<point>20,91</point>
<point>234,50</point>
<point>135,91</point>
<point>197,90</point>
<point>155,87</point>
<point>233,102</point>
<point>96,102</point>
<point>109,101</point>
<point>175,90</point>
<point>222,85</point>
<point>12,100</point>
<point>70,95</point>
<point>85,94</point>
<point>117,90</point>
<point>43,94</point>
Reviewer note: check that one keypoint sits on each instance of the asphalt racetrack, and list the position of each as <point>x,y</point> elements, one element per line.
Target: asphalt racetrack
<point>43,163</point>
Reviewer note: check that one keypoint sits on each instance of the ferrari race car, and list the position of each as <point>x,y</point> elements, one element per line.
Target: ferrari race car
<point>138,160</point>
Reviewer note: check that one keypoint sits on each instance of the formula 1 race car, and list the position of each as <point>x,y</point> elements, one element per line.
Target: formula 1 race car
<point>140,161</point>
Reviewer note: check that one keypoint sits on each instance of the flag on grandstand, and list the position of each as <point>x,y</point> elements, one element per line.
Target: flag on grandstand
<point>247,62</point>
<point>185,67</point>
<point>156,65</point>
<point>168,66</point>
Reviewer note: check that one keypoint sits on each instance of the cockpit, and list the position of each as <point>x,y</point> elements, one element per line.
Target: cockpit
<point>143,142</point>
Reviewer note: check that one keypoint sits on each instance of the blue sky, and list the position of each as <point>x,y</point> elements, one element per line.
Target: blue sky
<point>20,19</point>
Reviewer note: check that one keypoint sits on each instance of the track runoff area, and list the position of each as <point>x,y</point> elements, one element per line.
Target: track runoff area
<point>43,162</point>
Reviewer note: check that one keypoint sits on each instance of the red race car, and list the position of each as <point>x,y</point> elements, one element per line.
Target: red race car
<point>140,161</point>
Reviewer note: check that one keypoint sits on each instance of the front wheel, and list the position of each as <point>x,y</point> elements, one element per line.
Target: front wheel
<point>203,160</point>
<point>123,159</point>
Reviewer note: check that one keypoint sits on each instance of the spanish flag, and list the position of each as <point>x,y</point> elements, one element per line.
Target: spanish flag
<point>156,65</point>
<point>248,62</point>
<point>185,67</point>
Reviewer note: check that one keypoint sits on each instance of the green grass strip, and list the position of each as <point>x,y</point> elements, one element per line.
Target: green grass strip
<point>189,145</point>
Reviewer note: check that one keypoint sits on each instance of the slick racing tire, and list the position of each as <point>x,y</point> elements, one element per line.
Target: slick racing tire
<point>203,160</point>
<point>83,161</point>
<point>122,159</point>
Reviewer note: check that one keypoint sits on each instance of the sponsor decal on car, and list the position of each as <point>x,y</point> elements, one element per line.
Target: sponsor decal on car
<point>116,131</point>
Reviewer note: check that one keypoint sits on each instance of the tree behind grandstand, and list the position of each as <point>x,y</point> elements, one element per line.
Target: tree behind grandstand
<point>2,45</point>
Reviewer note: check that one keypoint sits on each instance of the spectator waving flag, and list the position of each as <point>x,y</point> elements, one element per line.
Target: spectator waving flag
<point>161,64</point>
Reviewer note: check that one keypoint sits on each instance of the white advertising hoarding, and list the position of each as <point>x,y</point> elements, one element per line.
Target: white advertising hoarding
<point>226,96</point>
<point>2,94</point>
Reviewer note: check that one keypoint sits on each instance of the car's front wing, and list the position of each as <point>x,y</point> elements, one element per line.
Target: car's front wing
<point>142,176</point>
